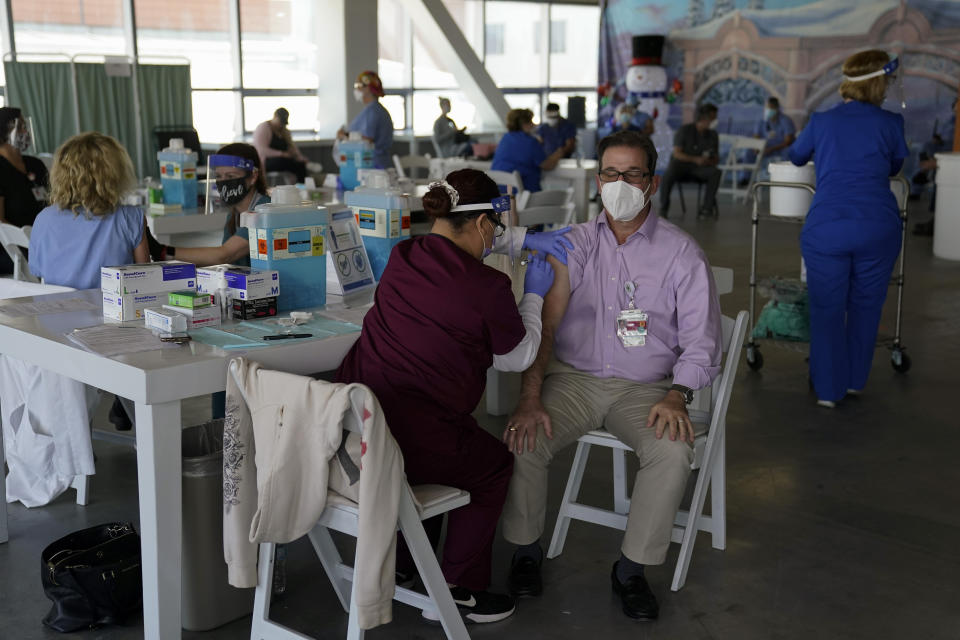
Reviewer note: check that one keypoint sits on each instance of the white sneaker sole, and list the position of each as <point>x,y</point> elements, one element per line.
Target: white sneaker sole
<point>826,403</point>
<point>476,618</point>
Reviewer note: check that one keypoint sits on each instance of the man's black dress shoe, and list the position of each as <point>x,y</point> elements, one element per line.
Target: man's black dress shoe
<point>638,600</point>
<point>525,580</point>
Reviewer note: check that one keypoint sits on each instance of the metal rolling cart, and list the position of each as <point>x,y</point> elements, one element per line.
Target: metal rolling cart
<point>898,358</point>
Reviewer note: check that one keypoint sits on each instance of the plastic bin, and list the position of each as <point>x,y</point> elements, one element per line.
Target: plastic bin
<point>207,600</point>
<point>946,229</point>
<point>790,202</point>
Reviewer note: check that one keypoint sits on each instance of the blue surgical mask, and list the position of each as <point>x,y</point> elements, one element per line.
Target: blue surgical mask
<point>769,114</point>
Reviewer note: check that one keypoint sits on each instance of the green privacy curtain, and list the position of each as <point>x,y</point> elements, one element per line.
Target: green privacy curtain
<point>164,92</point>
<point>106,103</point>
<point>44,91</point>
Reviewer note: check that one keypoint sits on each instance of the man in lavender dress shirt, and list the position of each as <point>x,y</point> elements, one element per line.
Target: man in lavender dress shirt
<point>586,376</point>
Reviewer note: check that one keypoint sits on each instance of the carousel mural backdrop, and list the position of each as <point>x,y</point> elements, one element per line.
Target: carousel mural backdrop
<point>737,53</point>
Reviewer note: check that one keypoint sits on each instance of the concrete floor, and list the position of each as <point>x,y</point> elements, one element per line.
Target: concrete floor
<point>842,524</point>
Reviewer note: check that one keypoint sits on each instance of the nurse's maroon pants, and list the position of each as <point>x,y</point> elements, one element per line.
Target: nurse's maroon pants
<point>481,465</point>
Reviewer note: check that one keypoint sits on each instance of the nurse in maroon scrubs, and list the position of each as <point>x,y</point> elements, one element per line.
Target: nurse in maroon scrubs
<point>440,319</point>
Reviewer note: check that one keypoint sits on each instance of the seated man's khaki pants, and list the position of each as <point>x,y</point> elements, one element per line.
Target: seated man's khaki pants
<point>579,402</point>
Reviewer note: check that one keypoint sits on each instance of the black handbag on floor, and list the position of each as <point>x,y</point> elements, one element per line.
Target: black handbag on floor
<point>93,577</point>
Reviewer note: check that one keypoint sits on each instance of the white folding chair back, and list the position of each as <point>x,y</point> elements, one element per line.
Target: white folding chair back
<point>509,179</point>
<point>549,215</point>
<point>709,458</point>
<point>434,500</point>
<point>403,163</point>
<point>733,165</point>
<point>545,198</point>
<point>14,239</point>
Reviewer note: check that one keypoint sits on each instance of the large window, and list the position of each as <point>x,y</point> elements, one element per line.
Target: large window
<point>199,32</point>
<point>535,51</point>
<point>69,27</point>
<point>507,37</point>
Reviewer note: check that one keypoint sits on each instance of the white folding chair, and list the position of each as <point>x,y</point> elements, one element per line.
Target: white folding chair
<point>545,198</point>
<point>14,239</point>
<point>434,500</point>
<point>547,215</point>
<point>731,168</point>
<point>403,163</point>
<point>509,179</point>
<point>709,458</point>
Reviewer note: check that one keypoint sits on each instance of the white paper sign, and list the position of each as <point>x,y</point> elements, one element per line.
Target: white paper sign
<point>348,268</point>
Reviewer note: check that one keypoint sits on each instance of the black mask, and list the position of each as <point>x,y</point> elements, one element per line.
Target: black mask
<point>232,190</point>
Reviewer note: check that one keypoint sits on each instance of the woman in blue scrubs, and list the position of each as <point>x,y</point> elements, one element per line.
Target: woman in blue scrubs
<point>374,122</point>
<point>520,151</point>
<point>851,238</point>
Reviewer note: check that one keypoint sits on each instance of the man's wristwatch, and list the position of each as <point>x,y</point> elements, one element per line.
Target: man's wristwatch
<point>687,392</point>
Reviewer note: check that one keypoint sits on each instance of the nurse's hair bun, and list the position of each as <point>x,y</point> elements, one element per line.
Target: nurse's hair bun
<point>465,186</point>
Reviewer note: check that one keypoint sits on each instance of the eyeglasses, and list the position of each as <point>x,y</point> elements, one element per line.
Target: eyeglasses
<point>633,176</point>
<point>358,85</point>
<point>498,227</point>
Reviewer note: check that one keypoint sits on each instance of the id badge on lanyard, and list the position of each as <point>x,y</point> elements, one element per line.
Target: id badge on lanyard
<point>632,322</point>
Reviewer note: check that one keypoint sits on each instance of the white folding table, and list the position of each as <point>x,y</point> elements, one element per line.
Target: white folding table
<point>156,381</point>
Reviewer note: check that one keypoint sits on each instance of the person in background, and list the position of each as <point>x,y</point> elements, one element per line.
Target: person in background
<point>451,141</point>
<point>851,237</point>
<point>556,132</point>
<point>86,227</point>
<point>520,151</point>
<point>374,122</point>
<point>275,145</point>
<point>241,187</point>
<point>23,179</point>
<point>696,152</point>
<point>777,129</point>
<point>439,320</point>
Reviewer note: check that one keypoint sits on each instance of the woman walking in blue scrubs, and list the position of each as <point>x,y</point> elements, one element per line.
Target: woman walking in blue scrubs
<point>851,238</point>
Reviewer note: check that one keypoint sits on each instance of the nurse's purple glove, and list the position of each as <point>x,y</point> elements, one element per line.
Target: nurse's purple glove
<point>553,242</point>
<point>539,276</point>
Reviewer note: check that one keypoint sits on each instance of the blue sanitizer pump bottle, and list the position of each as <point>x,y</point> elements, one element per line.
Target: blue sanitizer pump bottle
<point>287,235</point>
<point>383,215</point>
<point>178,174</point>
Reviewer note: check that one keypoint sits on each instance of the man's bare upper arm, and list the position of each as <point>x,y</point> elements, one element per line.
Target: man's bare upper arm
<point>556,300</point>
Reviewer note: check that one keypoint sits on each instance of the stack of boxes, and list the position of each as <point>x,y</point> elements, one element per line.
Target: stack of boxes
<point>185,310</point>
<point>129,290</point>
<point>253,293</point>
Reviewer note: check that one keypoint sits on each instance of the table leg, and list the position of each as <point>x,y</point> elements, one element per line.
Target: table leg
<point>158,471</point>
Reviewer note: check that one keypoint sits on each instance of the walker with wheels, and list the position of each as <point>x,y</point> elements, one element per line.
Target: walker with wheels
<point>898,358</point>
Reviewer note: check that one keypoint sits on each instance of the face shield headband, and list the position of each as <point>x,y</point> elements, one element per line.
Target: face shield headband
<point>223,160</point>
<point>888,69</point>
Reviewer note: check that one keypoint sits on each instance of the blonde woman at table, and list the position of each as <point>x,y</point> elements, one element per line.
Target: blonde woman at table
<point>86,226</point>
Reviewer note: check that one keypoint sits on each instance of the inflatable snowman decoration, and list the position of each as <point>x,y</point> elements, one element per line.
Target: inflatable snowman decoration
<point>646,83</point>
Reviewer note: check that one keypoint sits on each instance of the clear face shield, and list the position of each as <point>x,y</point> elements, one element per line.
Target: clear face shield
<point>503,216</point>
<point>21,135</point>
<point>226,182</point>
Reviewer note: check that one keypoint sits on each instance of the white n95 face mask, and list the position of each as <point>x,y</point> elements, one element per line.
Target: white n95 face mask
<point>622,200</point>
<point>358,95</point>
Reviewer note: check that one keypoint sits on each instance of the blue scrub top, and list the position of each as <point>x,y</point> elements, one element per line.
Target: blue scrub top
<point>519,151</point>
<point>554,137</point>
<point>856,147</point>
<point>244,232</point>
<point>374,122</point>
<point>67,249</point>
<point>775,131</point>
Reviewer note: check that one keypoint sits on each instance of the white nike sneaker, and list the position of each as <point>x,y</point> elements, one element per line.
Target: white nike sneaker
<point>477,606</point>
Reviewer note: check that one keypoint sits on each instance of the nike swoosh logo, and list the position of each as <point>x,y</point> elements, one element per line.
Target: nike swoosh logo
<point>472,602</point>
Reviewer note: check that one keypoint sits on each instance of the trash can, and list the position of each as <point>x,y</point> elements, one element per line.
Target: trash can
<point>946,228</point>
<point>790,202</point>
<point>207,601</point>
